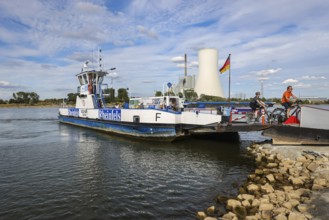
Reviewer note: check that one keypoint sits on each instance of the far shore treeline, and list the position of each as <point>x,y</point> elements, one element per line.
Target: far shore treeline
<point>120,96</point>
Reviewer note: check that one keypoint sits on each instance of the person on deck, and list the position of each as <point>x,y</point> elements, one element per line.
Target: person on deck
<point>286,99</point>
<point>256,103</point>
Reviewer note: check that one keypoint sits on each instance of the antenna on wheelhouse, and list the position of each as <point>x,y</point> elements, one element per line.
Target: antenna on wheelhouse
<point>100,59</point>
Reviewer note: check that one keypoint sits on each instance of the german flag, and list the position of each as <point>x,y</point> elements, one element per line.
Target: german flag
<point>226,65</point>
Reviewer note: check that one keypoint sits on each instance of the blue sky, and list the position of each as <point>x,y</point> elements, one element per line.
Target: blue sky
<point>43,44</point>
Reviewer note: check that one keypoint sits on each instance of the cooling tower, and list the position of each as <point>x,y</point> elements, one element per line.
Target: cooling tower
<point>208,82</point>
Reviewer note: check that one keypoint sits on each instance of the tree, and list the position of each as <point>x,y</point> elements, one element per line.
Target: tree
<point>110,95</point>
<point>72,97</point>
<point>209,98</point>
<point>25,97</point>
<point>190,95</point>
<point>169,93</point>
<point>33,98</point>
<point>123,95</point>
<point>158,93</point>
<point>2,102</point>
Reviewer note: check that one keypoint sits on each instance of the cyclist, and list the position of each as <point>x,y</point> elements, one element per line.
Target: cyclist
<point>256,103</point>
<point>286,99</point>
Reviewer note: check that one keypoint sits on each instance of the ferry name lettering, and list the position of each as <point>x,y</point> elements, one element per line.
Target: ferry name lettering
<point>157,115</point>
<point>73,112</point>
<point>110,114</point>
<point>84,112</point>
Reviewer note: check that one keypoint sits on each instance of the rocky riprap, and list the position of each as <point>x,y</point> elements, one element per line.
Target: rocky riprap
<point>280,188</point>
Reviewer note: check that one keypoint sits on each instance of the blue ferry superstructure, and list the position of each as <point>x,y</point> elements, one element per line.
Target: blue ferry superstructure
<point>161,118</point>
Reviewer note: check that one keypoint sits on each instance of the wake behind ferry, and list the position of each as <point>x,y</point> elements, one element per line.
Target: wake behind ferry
<point>160,118</point>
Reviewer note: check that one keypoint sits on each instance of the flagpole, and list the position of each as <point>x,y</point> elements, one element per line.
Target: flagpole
<point>229,81</point>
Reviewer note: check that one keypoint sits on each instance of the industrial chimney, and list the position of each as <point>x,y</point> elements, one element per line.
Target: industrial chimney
<point>208,82</point>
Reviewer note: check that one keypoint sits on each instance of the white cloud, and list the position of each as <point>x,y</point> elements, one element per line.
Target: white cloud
<point>147,32</point>
<point>290,81</point>
<point>178,59</point>
<point>189,65</point>
<point>4,83</point>
<point>194,64</point>
<point>263,78</point>
<point>268,72</point>
<point>313,77</point>
<point>61,35</point>
<point>302,85</point>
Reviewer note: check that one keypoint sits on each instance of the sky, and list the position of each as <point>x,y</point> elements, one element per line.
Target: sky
<point>44,44</point>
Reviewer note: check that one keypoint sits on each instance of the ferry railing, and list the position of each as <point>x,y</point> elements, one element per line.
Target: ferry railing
<point>212,111</point>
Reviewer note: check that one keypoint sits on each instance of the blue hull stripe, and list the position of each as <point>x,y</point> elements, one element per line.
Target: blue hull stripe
<point>124,128</point>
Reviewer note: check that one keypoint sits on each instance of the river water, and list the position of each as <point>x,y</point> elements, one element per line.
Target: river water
<point>55,171</point>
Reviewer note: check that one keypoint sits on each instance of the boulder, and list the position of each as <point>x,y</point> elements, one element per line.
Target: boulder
<point>313,166</point>
<point>287,205</point>
<point>211,210</point>
<point>287,188</point>
<point>279,157</point>
<point>232,203</point>
<point>252,188</point>
<point>270,178</point>
<point>259,172</point>
<point>246,203</point>
<point>267,188</point>
<point>301,159</point>
<point>240,212</point>
<point>271,158</point>
<point>320,181</point>
<point>266,207</point>
<point>251,217</point>
<point>280,196</point>
<point>280,216</point>
<point>280,210</point>
<point>296,181</point>
<point>309,156</point>
<point>210,218</point>
<point>247,197</point>
<point>302,208</point>
<point>229,216</point>
<point>296,216</point>
<point>252,177</point>
<point>255,203</point>
<point>317,187</point>
<point>294,202</point>
<point>266,214</point>
<point>201,215</point>
<point>271,165</point>
<point>293,195</point>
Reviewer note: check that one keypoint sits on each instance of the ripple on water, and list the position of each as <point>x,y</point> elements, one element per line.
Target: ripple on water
<point>54,171</point>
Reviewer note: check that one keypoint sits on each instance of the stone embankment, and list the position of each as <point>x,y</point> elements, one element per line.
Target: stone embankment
<point>289,183</point>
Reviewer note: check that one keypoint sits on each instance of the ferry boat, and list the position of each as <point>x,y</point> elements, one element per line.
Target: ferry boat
<point>159,118</point>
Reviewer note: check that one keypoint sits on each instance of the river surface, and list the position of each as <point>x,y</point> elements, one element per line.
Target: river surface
<point>56,171</point>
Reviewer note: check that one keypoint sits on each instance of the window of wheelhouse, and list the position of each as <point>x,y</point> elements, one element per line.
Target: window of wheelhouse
<point>85,79</point>
<point>99,78</point>
<point>80,80</point>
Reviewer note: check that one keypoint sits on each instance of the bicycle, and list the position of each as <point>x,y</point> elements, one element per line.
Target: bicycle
<point>279,115</point>
<point>267,114</point>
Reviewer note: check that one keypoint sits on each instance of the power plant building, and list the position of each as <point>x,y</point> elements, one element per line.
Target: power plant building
<point>184,83</point>
<point>208,81</point>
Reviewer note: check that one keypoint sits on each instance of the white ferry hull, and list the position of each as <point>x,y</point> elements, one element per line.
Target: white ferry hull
<point>159,132</point>
<point>150,124</point>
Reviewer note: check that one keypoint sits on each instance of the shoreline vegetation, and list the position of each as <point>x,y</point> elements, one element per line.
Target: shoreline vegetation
<point>29,106</point>
<point>41,104</point>
<point>289,182</point>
